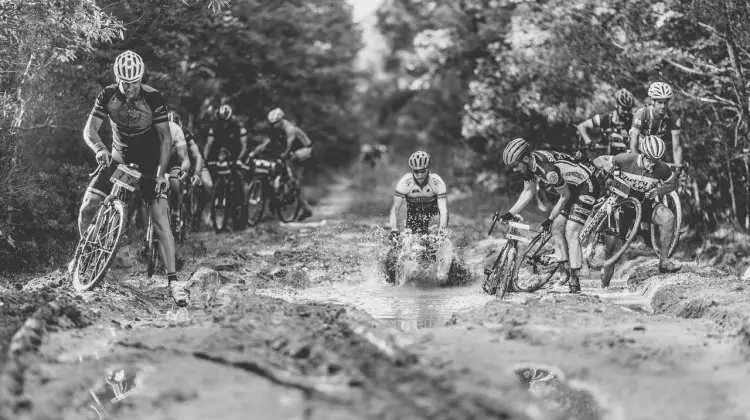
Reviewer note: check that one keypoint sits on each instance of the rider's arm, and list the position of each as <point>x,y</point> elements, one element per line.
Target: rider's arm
<point>91,134</point>
<point>637,128</point>
<point>183,154</point>
<point>529,189</point>
<point>197,156</point>
<point>635,133</point>
<point>261,147</point>
<point>398,200</point>
<point>209,143</point>
<point>676,147</point>
<point>165,141</point>
<point>604,162</point>
<point>442,203</point>
<point>291,134</point>
<point>243,143</point>
<point>583,129</point>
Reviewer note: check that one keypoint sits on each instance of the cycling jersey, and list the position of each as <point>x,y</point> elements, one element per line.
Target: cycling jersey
<point>642,181</point>
<point>227,135</point>
<point>421,200</point>
<point>286,129</point>
<point>134,137</point>
<point>649,124</point>
<point>613,122</point>
<point>560,169</point>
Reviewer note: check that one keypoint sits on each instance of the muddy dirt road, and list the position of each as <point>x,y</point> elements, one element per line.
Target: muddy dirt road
<point>297,322</point>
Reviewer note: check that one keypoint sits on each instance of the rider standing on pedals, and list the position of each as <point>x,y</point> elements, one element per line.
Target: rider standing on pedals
<point>577,188</point>
<point>426,196</point>
<point>618,121</point>
<point>225,133</point>
<point>658,120</point>
<point>650,179</point>
<point>298,149</point>
<point>185,156</point>
<point>140,135</point>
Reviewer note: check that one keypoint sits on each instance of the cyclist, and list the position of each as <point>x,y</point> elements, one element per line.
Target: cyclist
<point>658,120</point>
<point>140,135</point>
<point>370,155</point>
<point>577,188</point>
<point>616,122</point>
<point>185,157</point>
<point>298,149</point>
<point>225,133</point>
<point>426,196</point>
<point>650,179</point>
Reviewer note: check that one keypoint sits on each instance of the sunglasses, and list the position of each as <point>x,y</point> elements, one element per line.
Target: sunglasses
<point>420,171</point>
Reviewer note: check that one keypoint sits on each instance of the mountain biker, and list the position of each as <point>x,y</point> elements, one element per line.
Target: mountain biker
<point>650,179</point>
<point>298,149</point>
<point>616,122</point>
<point>577,188</point>
<point>370,155</point>
<point>225,133</point>
<point>140,135</point>
<point>184,159</point>
<point>658,120</point>
<point>426,196</point>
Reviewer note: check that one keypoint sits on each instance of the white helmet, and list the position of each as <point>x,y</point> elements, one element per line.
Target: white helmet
<point>275,115</point>
<point>420,160</point>
<point>653,147</point>
<point>129,67</point>
<point>224,112</point>
<point>659,90</point>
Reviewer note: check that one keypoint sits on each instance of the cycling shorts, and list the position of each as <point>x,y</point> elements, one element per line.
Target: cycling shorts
<point>101,185</point>
<point>581,202</point>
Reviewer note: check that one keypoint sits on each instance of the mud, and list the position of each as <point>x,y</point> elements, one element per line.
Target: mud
<point>296,322</point>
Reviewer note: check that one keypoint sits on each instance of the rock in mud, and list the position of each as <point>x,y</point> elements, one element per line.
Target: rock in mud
<point>204,285</point>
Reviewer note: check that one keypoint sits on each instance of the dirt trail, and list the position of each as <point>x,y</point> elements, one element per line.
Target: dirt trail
<point>317,352</point>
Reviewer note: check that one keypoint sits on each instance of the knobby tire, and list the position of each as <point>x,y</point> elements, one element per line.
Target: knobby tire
<point>111,230</point>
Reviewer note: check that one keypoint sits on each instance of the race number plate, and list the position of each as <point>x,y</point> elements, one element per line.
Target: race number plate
<point>620,187</point>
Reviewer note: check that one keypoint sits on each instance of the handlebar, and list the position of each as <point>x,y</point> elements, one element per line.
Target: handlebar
<point>513,224</point>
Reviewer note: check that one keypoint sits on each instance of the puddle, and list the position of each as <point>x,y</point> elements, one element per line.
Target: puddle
<point>404,307</point>
<point>119,383</point>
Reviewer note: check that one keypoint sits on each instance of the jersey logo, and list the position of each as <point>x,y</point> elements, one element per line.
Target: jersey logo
<point>415,190</point>
<point>552,178</point>
<point>587,199</point>
<point>548,155</point>
<point>128,113</point>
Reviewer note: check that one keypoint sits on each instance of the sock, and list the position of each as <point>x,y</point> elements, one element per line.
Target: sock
<point>171,277</point>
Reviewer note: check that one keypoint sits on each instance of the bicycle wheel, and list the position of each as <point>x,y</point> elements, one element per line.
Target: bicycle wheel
<point>98,248</point>
<point>152,246</point>
<point>534,269</point>
<point>615,231</point>
<point>288,202</point>
<point>672,201</point>
<point>498,279</point>
<point>256,202</point>
<point>219,208</point>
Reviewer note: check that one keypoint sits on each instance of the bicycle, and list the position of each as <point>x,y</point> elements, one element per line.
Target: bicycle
<point>181,225</point>
<point>286,191</point>
<point>607,222</point>
<point>499,278</point>
<point>672,201</point>
<point>228,195</point>
<point>99,244</point>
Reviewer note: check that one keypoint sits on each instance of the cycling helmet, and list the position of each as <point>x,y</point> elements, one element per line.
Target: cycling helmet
<point>515,150</point>
<point>420,160</point>
<point>652,147</point>
<point>224,112</point>
<point>174,117</point>
<point>275,115</point>
<point>659,90</point>
<point>624,98</point>
<point>129,67</point>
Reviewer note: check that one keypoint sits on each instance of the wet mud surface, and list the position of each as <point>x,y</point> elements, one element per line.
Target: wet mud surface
<point>297,322</point>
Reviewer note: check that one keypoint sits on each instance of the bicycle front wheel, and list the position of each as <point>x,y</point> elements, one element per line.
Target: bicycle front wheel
<point>256,202</point>
<point>219,205</point>
<point>535,270</point>
<point>613,233</point>
<point>499,278</point>
<point>98,247</point>
<point>672,201</point>
<point>288,201</point>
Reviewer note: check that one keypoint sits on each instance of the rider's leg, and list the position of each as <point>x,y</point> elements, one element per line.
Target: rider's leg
<point>297,169</point>
<point>175,199</point>
<point>578,213</point>
<point>206,192</point>
<point>160,218</point>
<point>664,218</point>
<point>558,237</point>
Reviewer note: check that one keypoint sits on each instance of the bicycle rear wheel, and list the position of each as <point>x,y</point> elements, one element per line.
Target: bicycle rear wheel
<point>615,232</point>
<point>98,247</point>
<point>256,202</point>
<point>534,270</point>
<point>219,205</point>
<point>672,201</point>
<point>288,201</point>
